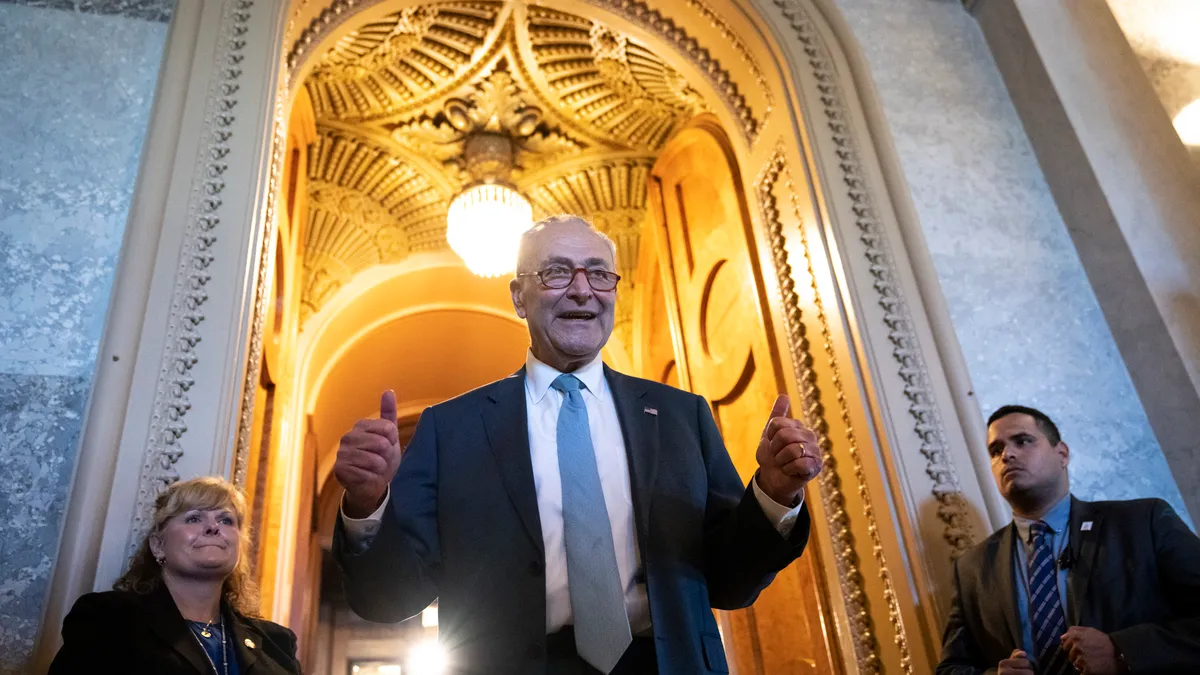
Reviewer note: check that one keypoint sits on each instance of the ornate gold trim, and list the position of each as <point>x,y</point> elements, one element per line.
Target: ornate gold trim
<point>668,31</point>
<point>241,456</point>
<point>727,33</point>
<point>635,11</point>
<point>866,645</point>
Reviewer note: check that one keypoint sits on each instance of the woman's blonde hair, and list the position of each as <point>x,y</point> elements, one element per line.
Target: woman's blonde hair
<point>206,493</point>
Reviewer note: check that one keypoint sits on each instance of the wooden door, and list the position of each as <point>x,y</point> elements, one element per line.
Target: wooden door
<point>710,295</point>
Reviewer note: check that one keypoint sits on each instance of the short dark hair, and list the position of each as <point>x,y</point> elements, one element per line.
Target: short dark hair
<point>1047,425</point>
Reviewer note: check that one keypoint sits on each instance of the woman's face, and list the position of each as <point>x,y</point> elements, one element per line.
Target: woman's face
<point>198,543</point>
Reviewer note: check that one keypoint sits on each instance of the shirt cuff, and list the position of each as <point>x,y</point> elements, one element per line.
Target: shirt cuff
<point>782,517</point>
<point>361,531</point>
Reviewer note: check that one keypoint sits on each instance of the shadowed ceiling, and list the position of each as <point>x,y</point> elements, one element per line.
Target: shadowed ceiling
<point>587,106</point>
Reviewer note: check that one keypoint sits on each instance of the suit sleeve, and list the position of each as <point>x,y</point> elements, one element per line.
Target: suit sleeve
<point>88,639</point>
<point>396,576</point>
<point>742,549</point>
<point>960,653</point>
<point>1174,645</point>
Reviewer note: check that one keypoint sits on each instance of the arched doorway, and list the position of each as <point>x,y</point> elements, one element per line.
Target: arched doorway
<point>613,91</point>
<point>839,309</point>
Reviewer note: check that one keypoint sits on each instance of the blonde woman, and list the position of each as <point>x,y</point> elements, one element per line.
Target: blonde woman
<point>187,603</point>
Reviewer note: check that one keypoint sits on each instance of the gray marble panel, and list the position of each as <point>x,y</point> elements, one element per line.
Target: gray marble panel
<point>76,98</point>
<point>40,422</point>
<point>75,105</point>
<point>149,10</point>
<point>1025,315</point>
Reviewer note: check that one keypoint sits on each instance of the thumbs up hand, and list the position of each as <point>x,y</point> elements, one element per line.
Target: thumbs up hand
<point>789,455</point>
<point>367,459</point>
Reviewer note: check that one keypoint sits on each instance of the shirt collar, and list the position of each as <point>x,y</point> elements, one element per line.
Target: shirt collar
<point>1057,519</point>
<point>539,377</point>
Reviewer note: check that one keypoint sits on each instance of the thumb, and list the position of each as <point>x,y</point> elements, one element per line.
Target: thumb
<point>782,405</point>
<point>780,409</point>
<point>387,406</point>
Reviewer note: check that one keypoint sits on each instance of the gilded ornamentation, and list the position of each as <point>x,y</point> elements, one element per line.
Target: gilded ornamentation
<point>366,207</point>
<point>618,88</point>
<point>171,405</point>
<point>266,257</point>
<point>952,506</point>
<point>667,30</point>
<point>734,39</point>
<point>405,61</point>
<point>866,645</point>
<point>398,99</point>
<point>497,105</point>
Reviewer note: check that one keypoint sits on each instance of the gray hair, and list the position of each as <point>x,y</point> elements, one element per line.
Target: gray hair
<point>561,219</point>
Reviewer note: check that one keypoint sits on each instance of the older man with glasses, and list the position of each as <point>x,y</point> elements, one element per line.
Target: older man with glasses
<point>569,519</point>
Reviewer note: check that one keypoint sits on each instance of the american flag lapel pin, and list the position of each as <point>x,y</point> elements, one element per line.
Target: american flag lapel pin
<point>651,411</point>
<point>1086,526</point>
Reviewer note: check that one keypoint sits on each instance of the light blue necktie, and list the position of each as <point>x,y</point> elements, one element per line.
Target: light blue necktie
<point>1045,607</point>
<point>597,602</point>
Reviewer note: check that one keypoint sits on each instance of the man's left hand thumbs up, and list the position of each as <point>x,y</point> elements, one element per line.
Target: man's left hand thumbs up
<point>789,455</point>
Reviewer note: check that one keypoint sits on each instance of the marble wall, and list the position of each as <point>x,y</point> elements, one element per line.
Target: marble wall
<point>1028,323</point>
<point>79,78</point>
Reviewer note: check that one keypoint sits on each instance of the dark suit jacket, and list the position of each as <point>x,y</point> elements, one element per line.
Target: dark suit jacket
<point>126,632</point>
<point>1136,577</point>
<point>464,528</point>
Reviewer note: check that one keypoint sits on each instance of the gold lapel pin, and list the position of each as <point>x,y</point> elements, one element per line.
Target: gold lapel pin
<point>250,643</point>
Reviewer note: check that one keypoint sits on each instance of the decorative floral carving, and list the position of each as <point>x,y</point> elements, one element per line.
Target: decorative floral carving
<point>168,423</point>
<point>866,645</point>
<point>952,506</point>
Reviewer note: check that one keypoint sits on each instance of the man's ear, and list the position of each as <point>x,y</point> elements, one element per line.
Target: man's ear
<point>1064,452</point>
<point>514,288</point>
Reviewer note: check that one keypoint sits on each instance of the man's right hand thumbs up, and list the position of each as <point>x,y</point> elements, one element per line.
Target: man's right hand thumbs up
<point>367,459</point>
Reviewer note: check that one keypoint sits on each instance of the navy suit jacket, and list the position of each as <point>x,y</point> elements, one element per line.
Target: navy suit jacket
<point>1136,576</point>
<point>463,527</point>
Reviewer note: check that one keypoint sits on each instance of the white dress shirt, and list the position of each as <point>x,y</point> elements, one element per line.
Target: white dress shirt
<point>542,405</point>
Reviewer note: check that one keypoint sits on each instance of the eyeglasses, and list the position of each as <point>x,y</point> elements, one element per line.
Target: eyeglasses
<point>558,277</point>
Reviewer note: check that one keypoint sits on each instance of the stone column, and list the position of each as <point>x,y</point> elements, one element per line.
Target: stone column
<point>1128,191</point>
<point>167,401</point>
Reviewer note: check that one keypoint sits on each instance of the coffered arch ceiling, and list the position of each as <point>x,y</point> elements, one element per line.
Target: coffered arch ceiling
<point>588,108</point>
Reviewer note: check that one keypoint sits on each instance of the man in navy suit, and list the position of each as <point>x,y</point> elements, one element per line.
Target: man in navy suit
<point>1101,588</point>
<point>569,519</point>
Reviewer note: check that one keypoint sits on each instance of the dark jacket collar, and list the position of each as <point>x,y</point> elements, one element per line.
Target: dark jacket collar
<point>165,620</point>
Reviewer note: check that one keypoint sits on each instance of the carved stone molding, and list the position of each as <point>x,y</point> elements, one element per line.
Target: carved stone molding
<point>911,368</point>
<point>171,404</point>
<point>850,577</point>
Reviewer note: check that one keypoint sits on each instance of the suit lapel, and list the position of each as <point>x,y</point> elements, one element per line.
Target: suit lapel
<point>166,622</point>
<point>507,430</point>
<point>243,634</point>
<point>1006,582</point>
<point>1084,544</point>
<point>639,426</point>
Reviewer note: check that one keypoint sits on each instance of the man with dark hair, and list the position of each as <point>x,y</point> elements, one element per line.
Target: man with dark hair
<point>1043,421</point>
<point>1095,587</point>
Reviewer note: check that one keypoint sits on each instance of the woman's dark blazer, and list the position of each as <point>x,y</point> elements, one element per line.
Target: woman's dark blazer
<point>127,632</point>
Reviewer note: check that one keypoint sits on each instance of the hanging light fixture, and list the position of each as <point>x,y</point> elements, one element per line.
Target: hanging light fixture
<point>485,221</point>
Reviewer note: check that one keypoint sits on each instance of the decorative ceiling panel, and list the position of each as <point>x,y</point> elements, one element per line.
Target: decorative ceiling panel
<point>402,61</point>
<point>586,107</point>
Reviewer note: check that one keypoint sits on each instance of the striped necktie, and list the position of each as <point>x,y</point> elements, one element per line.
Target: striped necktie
<point>597,603</point>
<point>1045,607</point>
